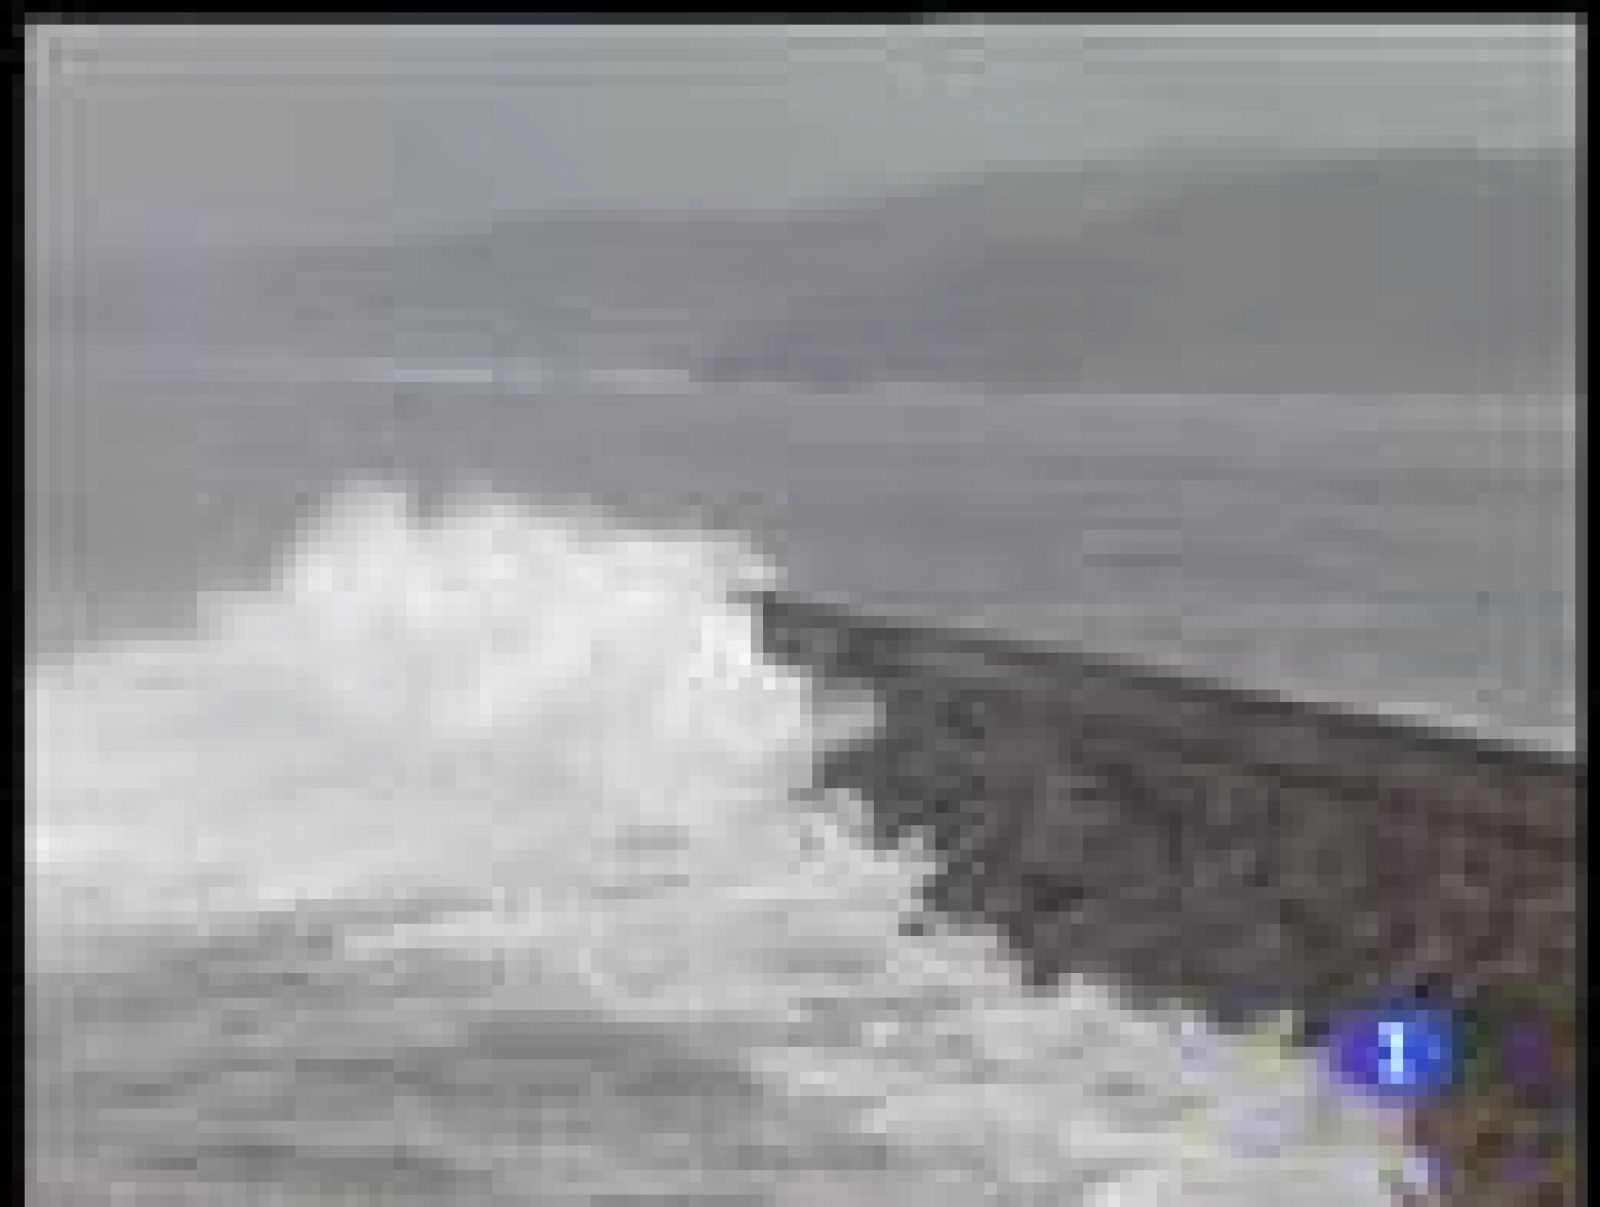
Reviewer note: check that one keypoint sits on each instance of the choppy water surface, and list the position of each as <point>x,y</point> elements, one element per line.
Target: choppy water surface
<point>471,857</point>
<point>436,837</point>
<point>1415,553</point>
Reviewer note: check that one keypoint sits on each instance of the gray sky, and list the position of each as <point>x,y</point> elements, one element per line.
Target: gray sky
<point>165,136</point>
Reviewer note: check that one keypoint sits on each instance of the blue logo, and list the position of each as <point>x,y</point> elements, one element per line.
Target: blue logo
<point>1403,1054</point>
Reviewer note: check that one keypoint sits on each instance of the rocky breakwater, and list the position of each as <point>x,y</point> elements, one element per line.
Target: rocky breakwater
<point>1229,849</point>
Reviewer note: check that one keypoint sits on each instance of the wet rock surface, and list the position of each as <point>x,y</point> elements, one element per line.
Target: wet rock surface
<point>1199,843</point>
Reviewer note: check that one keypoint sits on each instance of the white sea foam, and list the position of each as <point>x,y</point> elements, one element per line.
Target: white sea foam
<point>540,753</point>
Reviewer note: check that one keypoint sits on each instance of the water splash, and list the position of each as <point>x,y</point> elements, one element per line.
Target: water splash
<point>539,754</point>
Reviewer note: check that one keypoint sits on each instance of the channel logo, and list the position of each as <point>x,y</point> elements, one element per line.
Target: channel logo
<point>1398,1054</point>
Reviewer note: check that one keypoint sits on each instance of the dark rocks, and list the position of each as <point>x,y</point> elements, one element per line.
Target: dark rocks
<point>1199,843</point>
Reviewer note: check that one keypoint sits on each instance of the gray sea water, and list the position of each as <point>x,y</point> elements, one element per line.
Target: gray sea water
<point>411,811</point>
<point>1396,552</point>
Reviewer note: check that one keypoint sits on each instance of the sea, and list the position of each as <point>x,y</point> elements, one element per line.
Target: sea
<point>412,814</point>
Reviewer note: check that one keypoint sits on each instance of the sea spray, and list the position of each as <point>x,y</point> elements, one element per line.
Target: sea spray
<point>470,770</point>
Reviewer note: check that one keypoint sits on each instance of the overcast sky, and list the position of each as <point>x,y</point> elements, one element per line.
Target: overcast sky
<point>161,136</point>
